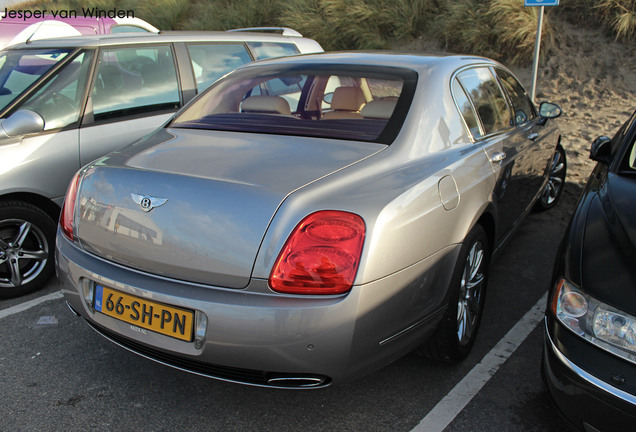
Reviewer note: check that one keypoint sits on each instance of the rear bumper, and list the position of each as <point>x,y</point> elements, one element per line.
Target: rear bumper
<point>586,401</point>
<point>257,337</point>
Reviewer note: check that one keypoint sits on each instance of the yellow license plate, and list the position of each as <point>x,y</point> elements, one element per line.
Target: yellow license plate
<point>158,317</point>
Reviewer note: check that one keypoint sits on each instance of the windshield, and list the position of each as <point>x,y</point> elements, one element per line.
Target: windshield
<point>625,138</point>
<point>364,103</point>
<point>631,157</point>
<point>19,69</point>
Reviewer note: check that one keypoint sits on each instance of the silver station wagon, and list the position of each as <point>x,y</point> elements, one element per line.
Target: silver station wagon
<point>65,102</point>
<point>309,219</point>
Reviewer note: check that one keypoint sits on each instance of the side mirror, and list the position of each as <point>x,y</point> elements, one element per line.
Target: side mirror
<point>20,123</point>
<point>549,110</point>
<point>601,150</point>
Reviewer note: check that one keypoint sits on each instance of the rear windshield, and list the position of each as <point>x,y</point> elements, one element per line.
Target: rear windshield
<point>19,69</point>
<point>362,103</point>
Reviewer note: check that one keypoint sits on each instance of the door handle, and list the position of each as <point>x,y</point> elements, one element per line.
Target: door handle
<point>497,157</point>
<point>533,136</point>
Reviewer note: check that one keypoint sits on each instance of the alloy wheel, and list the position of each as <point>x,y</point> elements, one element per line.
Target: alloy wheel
<point>470,292</point>
<point>24,252</point>
<point>554,187</point>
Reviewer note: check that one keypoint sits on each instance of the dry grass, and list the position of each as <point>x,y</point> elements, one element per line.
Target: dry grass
<point>501,29</point>
<point>228,14</point>
<point>621,16</point>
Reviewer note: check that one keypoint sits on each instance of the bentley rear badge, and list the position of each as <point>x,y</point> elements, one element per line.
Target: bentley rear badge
<point>147,202</point>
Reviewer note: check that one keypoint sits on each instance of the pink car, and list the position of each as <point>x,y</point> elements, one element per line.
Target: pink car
<point>17,26</point>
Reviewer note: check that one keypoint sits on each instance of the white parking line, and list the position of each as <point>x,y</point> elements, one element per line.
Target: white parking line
<point>457,399</point>
<point>27,305</point>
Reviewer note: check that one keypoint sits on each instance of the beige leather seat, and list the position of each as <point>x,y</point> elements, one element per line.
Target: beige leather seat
<point>378,109</point>
<point>266,105</point>
<point>346,103</point>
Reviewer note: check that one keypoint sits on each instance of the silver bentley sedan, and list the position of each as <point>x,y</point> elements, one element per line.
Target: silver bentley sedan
<point>308,220</point>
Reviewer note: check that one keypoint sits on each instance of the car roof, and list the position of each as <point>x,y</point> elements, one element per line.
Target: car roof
<point>93,41</point>
<point>410,60</point>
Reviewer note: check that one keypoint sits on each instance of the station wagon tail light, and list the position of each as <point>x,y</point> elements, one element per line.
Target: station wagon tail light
<point>600,324</point>
<point>68,210</point>
<point>321,256</point>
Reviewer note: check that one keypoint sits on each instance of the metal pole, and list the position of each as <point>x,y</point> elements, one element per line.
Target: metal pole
<point>535,62</point>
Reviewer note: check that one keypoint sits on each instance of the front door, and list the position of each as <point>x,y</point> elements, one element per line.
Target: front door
<point>44,163</point>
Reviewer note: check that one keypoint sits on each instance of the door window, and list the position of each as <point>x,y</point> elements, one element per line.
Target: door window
<point>211,62</point>
<point>59,101</point>
<point>521,102</point>
<point>132,81</point>
<point>466,108</point>
<point>19,69</point>
<point>491,105</point>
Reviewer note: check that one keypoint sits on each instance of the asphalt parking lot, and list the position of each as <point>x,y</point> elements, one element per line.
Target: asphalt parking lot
<point>57,374</point>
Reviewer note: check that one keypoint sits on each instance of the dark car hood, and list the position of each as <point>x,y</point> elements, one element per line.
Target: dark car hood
<point>608,255</point>
<point>221,190</point>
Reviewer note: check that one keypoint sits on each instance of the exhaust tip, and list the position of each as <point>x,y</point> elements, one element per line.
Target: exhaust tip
<point>315,381</point>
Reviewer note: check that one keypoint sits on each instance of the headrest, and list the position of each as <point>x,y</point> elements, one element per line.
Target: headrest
<point>378,109</point>
<point>347,98</point>
<point>266,105</point>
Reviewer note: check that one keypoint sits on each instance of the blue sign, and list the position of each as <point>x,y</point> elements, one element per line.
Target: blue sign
<point>541,2</point>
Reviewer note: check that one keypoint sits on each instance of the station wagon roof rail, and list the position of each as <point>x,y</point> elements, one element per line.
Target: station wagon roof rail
<point>285,31</point>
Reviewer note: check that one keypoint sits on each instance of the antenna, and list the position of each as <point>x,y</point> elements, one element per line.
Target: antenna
<point>34,32</point>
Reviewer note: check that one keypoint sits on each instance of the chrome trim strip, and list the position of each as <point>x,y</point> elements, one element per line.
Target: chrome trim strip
<point>412,326</point>
<point>591,379</point>
<point>72,310</point>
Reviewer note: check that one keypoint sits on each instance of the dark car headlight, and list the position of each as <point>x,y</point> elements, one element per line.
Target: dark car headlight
<point>600,324</point>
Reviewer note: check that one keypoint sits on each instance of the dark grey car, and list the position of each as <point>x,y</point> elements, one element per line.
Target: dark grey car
<point>65,102</point>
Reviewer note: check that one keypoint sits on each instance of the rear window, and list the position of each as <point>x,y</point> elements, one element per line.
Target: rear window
<point>363,103</point>
<point>265,50</point>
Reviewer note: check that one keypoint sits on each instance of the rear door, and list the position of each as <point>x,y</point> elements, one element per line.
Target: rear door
<point>509,142</point>
<point>134,90</point>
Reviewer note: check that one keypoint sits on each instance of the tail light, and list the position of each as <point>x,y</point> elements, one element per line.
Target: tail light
<point>321,256</point>
<point>68,210</point>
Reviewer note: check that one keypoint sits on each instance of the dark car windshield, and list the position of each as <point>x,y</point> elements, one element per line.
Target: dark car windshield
<point>625,140</point>
<point>631,157</point>
<point>363,103</point>
<point>21,68</point>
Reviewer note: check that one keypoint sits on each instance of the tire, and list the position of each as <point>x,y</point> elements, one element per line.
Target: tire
<point>553,190</point>
<point>457,331</point>
<point>27,241</point>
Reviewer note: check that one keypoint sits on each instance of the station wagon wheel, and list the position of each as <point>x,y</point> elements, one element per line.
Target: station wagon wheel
<point>457,332</point>
<point>556,181</point>
<point>27,238</point>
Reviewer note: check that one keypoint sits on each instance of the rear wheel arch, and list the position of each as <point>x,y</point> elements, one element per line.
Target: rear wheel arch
<point>39,201</point>
<point>487,222</point>
<point>457,331</point>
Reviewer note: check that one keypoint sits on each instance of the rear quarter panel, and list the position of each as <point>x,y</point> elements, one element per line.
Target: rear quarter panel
<point>412,239</point>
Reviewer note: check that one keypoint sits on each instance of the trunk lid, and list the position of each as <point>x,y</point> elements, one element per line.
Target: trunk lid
<point>209,198</point>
